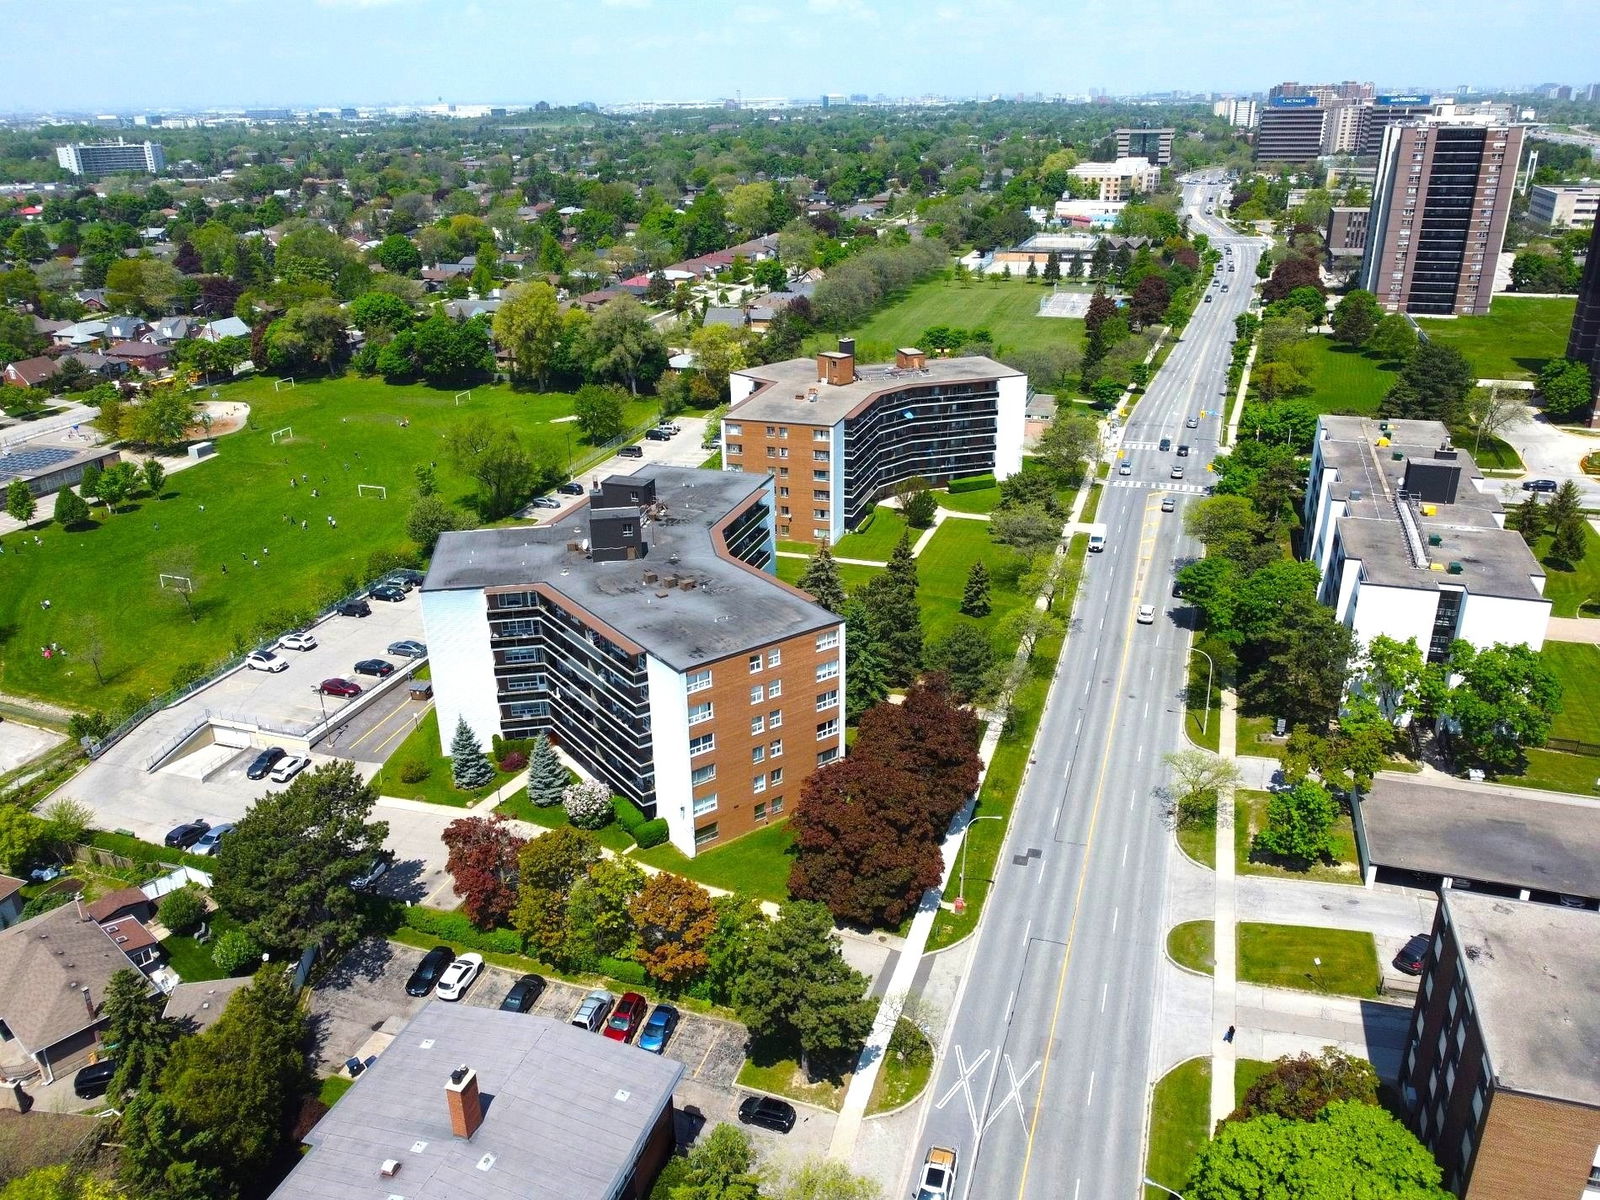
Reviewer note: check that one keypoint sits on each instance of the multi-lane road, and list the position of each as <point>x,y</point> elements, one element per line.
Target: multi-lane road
<point>1043,1084</point>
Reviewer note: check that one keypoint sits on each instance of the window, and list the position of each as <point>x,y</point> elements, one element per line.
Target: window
<point>772,430</point>
<point>757,694</point>
<point>775,776</point>
<point>828,729</point>
<point>820,494</point>
<point>733,427</point>
<point>775,718</point>
<point>784,529</point>
<point>758,724</point>
<point>819,435</point>
<point>819,456</point>
<point>758,753</point>
<point>755,663</point>
<point>760,810</point>
<point>735,448</point>
<point>705,804</point>
<point>783,511</point>
<point>820,476</point>
<point>522,654</point>
<point>775,806</point>
<point>783,472</point>
<point>783,492</point>
<point>774,689</point>
<point>706,833</point>
<point>825,757</point>
<point>820,535</point>
<point>828,670</point>
<point>828,699</point>
<point>783,431</point>
<point>774,657</point>
<point>698,681</point>
<point>528,683</point>
<point>699,712</point>
<point>758,784</point>
<point>783,452</point>
<point>514,600</point>
<point>819,514</point>
<point>703,744</point>
<point>828,640</point>
<point>519,628</point>
<point>703,774</point>
<point>775,749</point>
<point>526,709</point>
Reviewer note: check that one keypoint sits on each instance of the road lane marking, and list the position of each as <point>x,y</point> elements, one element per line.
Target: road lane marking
<point>963,1084</point>
<point>1089,1098</point>
<point>1014,1096</point>
<point>1115,914</point>
<point>1104,988</point>
<point>1027,931</point>
<point>1124,853</point>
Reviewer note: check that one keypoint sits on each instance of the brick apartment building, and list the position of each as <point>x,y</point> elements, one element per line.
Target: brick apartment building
<point>837,438</point>
<point>1583,343</point>
<point>1501,1072</point>
<point>644,633</point>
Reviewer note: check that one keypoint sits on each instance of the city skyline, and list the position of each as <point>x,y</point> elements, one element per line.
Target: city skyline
<point>377,52</point>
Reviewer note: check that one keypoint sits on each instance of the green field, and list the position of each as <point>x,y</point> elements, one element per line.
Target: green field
<point>1180,1121</point>
<point>757,864</point>
<point>1574,593</point>
<point>879,539</point>
<point>1577,665</point>
<point>1009,311</point>
<point>1518,336</point>
<point>422,745</point>
<point>217,518</point>
<point>1192,944</point>
<point>1250,817</point>
<point>1285,956</point>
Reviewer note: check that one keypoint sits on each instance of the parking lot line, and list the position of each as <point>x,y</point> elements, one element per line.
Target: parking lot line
<point>706,1057</point>
<point>406,716</point>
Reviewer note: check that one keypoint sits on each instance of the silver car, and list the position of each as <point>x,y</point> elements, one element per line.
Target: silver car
<point>594,1010</point>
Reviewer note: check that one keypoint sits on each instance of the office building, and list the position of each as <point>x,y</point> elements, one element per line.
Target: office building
<point>644,633</point>
<point>1346,237</point>
<point>1241,114</point>
<point>1118,181</point>
<point>1154,144</point>
<point>112,158</point>
<point>1583,342</point>
<point>1389,110</point>
<point>1290,129</point>
<point>1324,93</point>
<point>1342,127</point>
<point>1410,540</point>
<point>1501,1072</point>
<point>839,438</point>
<point>1439,210</point>
<point>1565,205</point>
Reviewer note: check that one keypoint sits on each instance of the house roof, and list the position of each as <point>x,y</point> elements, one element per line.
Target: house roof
<point>34,370</point>
<point>46,963</point>
<point>130,934</point>
<point>199,1004</point>
<point>9,886</point>
<point>137,350</point>
<point>227,327</point>
<point>732,317</point>
<point>116,903</point>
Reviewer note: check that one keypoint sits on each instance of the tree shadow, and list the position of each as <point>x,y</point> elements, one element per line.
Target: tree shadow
<point>1531,365</point>
<point>1558,564</point>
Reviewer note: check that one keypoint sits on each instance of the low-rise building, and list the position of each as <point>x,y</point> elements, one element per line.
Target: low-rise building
<point>1565,206</point>
<point>1346,237</point>
<point>1120,180</point>
<point>1583,340</point>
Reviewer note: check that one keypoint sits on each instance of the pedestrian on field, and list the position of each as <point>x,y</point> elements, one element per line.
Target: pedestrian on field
<point>255,562</point>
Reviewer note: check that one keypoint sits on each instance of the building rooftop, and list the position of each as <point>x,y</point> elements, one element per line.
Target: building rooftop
<point>566,1114</point>
<point>56,967</point>
<point>1483,833</point>
<point>196,1006</point>
<point>731,607</point>
<point>797,377</point>
<point>1534,973</point>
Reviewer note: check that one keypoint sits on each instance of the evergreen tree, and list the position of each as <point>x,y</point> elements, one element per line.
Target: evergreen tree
<point>470,768</point>
<point>903,564</point>
<point>1569,545</point>
<point>1052,267</point>
<point>1101,309</point>
<point>1530,518</point>
<point>1100,263</point>
<point>71,508</point>
<point>89,485</point>
<point>134,1025</point>
<point>547,778</point>
<point>975,598</point>
<point>866,682</point>
<point>1121,262</point>
<point>821,581</point>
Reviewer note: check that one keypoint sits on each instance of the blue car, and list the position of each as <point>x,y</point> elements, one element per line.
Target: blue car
<point>658,1029</point>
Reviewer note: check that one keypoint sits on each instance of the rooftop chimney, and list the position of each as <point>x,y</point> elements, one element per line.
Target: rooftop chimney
<point>466,1108</point>
<point>910,358</point>
<point>837,367</point>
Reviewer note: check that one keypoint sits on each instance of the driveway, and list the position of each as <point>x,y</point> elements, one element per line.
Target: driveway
<point>1550,452</point>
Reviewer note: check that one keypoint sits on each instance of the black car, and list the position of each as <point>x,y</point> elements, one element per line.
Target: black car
<point>187,835</point>
<point>776,1115</point>
<point>428,970</point>
<point>393,593</point>
<point>658,435</point>
<point>524,992</point>
<point>95,1079</point>
<point>1413,955</point>
<point>354,608</point>
<point>265,761</point>
<point>1183,451</point>
<point>631,452</point>
<point>571,488</point>
<point>1166,444</point>
<point>1540,485</point>
<point>375,666</point>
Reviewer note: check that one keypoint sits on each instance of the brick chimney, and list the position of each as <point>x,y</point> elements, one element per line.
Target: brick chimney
<point>461,1096</point>
<point>837,367</point>
<point>909,357</point>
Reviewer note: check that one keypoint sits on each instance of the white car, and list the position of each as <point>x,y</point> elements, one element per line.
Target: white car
<point>1147,614</point>
<point>265,660</point>
<point>289,767</point>
<point>458,976</point>
<point>297,641</point>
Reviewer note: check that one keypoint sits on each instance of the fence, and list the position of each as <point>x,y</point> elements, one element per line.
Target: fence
<point>1569,746</point>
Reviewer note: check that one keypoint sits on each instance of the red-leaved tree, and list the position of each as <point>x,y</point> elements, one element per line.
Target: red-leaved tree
<point>483,864</point>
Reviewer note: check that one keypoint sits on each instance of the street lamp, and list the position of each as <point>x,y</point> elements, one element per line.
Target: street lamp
<point>961,893</point>
<point>1148,1182</point>
<point>1211,670</point>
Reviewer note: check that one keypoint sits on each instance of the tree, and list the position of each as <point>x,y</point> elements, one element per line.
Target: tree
<point>599,411</point>
<point>399,254</point>
<point>1394,339</point>
<point>1390,672</point>
<point>1052,267</point>
<point>1300,1086</point>
<point>824,1178</point>
<point>866,670</point>
<point>598,921</point>
<point>1149,301</point>
<point>1570,542</point>
<point>183,909</point>
<point>63,1181</point>
<point>548,868</point>
<point>889,605</point>
<point>1198,778</point>
<point>161,418</point>
<point>470,767</point>
<point>71,509</point>
<point>234,950</point>
<point>21,834</point>
<point>528,325</point>
<point>975,595</point>
<point>623,343</point>
<point>1101,309</point>
<point>718,350</point>
<point>1067,448</point>
<point>1504,702</point>
<point>1027,529</point>
<point>588,804</point>
<point>1491,410</point>
<point>796,988</point>
<point>1303,659</point>
<point>144,285</point>
<point>285,870</point>
<point>428,519</point>
<point>310,336</point>
<point>494,459</point>
<point>132,1011</point>
<point>1299,825</point>
<point>965,656</point>
<point>675,918</point>
<point>1351,1151</point>
<point>1433,385</point>
<point>1529,518</point>
<point>20,504</point>
<point>1355,318</point>
<point>820,581</point>
<point>721,1167</point>
<point>1275,379</point>
<point>483,864</point>
<point>1567,388</point>
<point>547,778</point>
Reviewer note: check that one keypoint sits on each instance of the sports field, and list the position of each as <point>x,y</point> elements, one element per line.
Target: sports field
<point>1519,335</point>
<point>233,524</point>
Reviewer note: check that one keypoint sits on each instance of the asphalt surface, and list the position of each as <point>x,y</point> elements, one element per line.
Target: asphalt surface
<point>1043,1084</point>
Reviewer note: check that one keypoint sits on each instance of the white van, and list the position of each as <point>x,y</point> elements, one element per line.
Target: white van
<point>1097,538</point>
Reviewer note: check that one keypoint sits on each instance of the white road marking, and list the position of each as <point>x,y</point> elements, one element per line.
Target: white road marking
<point>1013,1098</point>
<point>1115,913</point>
<point>1104,988</point>
<point>1089,1099</point>
<point>1026,931</point>
<point>1124,853</point>
<point>963,1084</point>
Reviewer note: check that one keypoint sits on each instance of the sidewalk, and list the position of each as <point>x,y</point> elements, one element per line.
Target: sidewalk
<point>1574,629</point>
<point>1224,978</point>
<point>1276,1021</point>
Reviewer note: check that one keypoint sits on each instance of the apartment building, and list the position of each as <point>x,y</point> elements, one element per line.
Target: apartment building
<point>836,438</point>
<point>1565,205</point>
<point>644,633</point>
<point>1583,343</point>
<point>1324,93</point>
<point>1501,1072</point>
<point>1241,114</point>
<point>1410,540</point>
<point>1154,144</point>
<point>1389,110</point>
<point>1439,211</point>
<point>1346,236</point>
<point>1118,181</point>
<point>111,158</point>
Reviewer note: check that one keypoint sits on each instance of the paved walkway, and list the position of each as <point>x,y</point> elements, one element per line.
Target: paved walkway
<point>1224,977</point>
<point>1574,629</point>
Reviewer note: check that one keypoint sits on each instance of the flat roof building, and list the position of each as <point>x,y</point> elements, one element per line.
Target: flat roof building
<point>1583,342</point>
<point>112,158</point>
<point>1346,236</point>
<point>1565,205</point>
<point>644,633</point>
<point>1501,1073</point>
<point>1241,114</point>
<point>1154,144</point>
<point>1290,129</point>
<point>837,438</point>
<point>1411,542</point>
<point>1327,93</point>
<point>1118,181</point>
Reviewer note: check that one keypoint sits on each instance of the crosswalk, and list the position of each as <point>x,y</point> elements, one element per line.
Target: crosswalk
<point>1160,485</point>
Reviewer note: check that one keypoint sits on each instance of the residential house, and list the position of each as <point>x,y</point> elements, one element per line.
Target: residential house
<point>125,328</point>
<point>169,331</point>
<point>124,902</point>
<point>10,901</point>
<point>733,318</point>
<point>30,372</point>
<point>146,356</point>
<point>215,331</point>
<point>93,299</point>
<point>80,333</point>
<point>195,1007</point>
<point>48,326</point>
<point>136,941</point>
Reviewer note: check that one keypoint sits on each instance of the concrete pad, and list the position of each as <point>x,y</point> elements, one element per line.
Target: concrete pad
<point>21,743</point>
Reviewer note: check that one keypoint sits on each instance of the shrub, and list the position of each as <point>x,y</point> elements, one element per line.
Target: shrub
<point>44,902</point>
<point>622,970</point>
<point>971,483</point>
<point>588,804</point>
<point>501,746</point>
<point>183,909</point>
<point>235,950</point>
<point>513,762</point>
<point>629,815</point>
<point>456,928</point>
<point>414,770</point>
<point>651,833</point>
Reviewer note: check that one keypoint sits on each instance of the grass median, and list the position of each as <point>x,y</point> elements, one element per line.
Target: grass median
<point>1180,1122</point>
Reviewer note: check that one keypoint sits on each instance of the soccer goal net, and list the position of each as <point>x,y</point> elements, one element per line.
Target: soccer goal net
<point>282,435</point>
<point>279,384</point>
<point>372,489</point>
<point>463,397</point>
<point>176,583</point>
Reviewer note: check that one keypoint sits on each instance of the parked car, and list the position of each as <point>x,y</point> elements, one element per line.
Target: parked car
<point>265,660</point>
<point>571,488</point>
<point>1413,955</point>
<point>547,502</point>
<point>187,834</point>
<point>776,1115</point>
<point>297,641</point>
<point>625,1018</point>
<point>406,577</point>
<point>95,1079</point>
<point>354,608</point>
<point>630,452</point>
<point>289,768</point>
<point>389,592</point>
<point>523,994</point>
<point>658,1030</point>
<point>264,762</point>
<point>592,1012</point>
<point>1147,614</point>
<point>339,687</point>
<point>658,435</point>
<point>379,868</point>
<point>938,1174</point>
<point>212,838</point>
<point>375,666</point>
<point>458,976</point>
<point>429,970</point>
<point>409,648</point>
<point>1540,485</point>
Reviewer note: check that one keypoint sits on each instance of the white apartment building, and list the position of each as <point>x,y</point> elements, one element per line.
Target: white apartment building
<point>1119,180</point>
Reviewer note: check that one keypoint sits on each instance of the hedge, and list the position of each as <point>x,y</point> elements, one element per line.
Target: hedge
<point>455,927</point>
<point>972,483</point>
<point>629,815</point>
<point>650,833</point>
<point>622,971</point>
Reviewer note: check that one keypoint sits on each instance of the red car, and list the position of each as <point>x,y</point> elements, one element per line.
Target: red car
<point>339,687</point>
<point>626,1017</point>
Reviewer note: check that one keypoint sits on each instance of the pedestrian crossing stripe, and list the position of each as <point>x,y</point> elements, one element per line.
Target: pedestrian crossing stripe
<point>1193,489</point>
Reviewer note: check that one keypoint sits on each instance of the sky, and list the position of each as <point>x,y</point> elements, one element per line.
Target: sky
<point>203,53</point>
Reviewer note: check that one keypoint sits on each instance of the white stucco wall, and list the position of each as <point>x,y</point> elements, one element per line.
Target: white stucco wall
<point>1486,620</point>
<point>669,732</point>
<point>1010,426</point>
<point>836,507</point>
<point>456,625</point>
<point>1399,613</point>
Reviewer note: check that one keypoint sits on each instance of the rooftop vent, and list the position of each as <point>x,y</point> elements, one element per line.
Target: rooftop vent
<point>389,1167</point>
<point>1435,540</point>
<point>1455,568</point>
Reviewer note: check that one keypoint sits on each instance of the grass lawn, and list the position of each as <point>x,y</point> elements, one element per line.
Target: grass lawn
<point>1192,944</point>
<point>783,1077</point>
<point>902,1077</point>
<point>1199,841</point>
<point>1519,335</point>
<point>102,579</point>
<point>1554,771</point>
<point>756,864</point>
<point>1345,380</point>
<point>333,1087</point>
<point>1252,731</point>
<point>1576,592</point>
<point>422,745</point>
<point>1577,666</point>
<point>1203,722</point>
<point>1250,817</point>
<point>1245,1073</point>
<point>878,540</point>
<point>612,837</point>
<point>1180,1123</point>
<point>983,501</point>
<point>1281,956</point>
<point>1008,310</point>
<point>1490,453</point>
<point>192,959</point>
